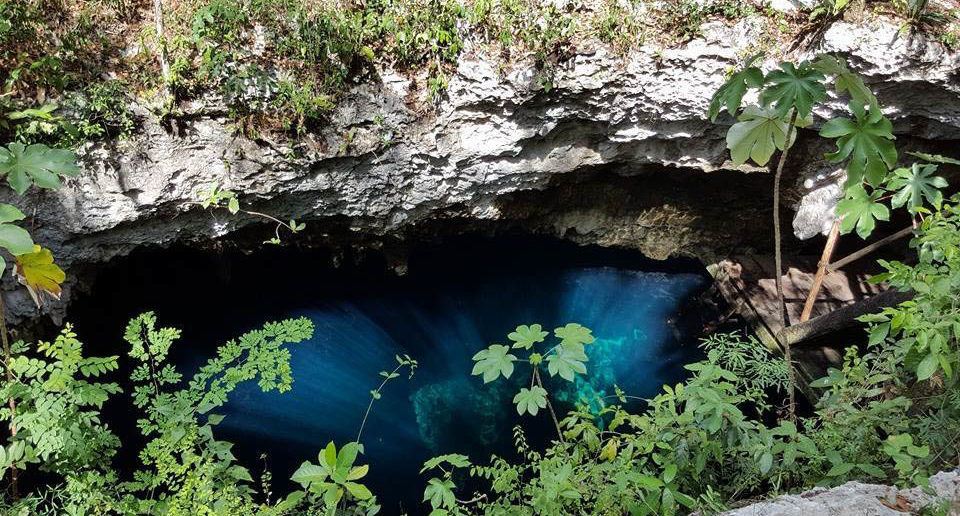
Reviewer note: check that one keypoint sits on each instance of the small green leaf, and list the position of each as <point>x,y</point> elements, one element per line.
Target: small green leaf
<point>15,240</point>
<point>861,210</point>
<point>757,135</point>
<point>10,213</point>
<point>730,94</point>
<point>524,337</point>
<point>359,491</point>
<point>915,184</point>
<point>567,362</point>
<point>927,366</point>
<point>440,493</point>
<point>36,164</point>
<point>531,400</point>
<point>492,362</point>
<point>573,334</point>
<point>766,462</point>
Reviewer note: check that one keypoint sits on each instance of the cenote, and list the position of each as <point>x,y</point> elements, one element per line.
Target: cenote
<point>456,298</point>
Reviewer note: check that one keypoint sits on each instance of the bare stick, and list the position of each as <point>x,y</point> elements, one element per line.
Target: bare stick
<point>821,271</point>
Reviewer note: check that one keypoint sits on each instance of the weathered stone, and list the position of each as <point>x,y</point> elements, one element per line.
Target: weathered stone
<point>601,154</point>
<point>857,499</point>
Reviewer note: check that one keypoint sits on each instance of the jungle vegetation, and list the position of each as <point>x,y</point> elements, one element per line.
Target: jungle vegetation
<point>730,432</point>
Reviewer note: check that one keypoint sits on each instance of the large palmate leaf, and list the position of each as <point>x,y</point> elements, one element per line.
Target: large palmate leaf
<point>567,362</point>
<point>861,210</point>
<point>846,81</point>
<point>530,401</point>
<point>791,87</point>
<point>524,337</point>
<point>915,184</point>
<point>36,164</point>
<point>494,361</point>
<point>868,144</point>
<point>574,333</point>
<point>37,272</point>
<point>440,493</point>
<point>759,133</point>
<point>14,239</point>
<point>731,93</point>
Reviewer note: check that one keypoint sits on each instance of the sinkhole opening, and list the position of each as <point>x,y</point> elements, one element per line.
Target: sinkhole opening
<point>458,297</point>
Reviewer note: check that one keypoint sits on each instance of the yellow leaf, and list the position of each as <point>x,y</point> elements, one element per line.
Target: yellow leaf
<point>39,274</point>
<point>609,451</point>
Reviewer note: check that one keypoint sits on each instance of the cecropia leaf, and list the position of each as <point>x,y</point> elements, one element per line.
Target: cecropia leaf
<point>868,145</point>
<point>791,87</point>
<point>36,164</point>
<point>861,210</point>
<point>758,134</point>
<point>731,93</point>
<point>914,184</point>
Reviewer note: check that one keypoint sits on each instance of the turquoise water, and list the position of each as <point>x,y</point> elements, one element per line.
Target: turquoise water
<point>451,304</point>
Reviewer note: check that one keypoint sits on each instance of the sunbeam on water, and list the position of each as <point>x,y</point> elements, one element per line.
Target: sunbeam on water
<point>441,317</point>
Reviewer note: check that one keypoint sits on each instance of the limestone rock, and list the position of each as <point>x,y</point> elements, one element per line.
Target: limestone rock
<point>857,499</point>
<point>618,152</point>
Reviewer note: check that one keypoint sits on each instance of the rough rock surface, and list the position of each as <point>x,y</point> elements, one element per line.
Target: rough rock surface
<point>856,499</point>
<point>618,153</point>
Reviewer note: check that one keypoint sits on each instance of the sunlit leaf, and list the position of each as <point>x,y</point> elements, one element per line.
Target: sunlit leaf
<point>524,337</point>
<point>440,493</point>
<point>36,164</point>
<point>846,81</point>
<point>914,184</point>
<point>861,210</point>
<point>530,401</point>
<point>730,94</point>
<point>868,144</point>
<point>37,272</point>
<point>566,362</point>
<point>791,87</point>
<point>759,133</point>
<point>492,362</point>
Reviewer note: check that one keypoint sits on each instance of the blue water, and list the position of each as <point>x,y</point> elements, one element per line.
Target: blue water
<point>450,305</point>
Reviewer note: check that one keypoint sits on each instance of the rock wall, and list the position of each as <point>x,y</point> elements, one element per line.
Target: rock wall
<point>617,153</point>
<point>857,499</point>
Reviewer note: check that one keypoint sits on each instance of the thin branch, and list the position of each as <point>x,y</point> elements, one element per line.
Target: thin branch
<point>778,258</point>
<point>13,404</point>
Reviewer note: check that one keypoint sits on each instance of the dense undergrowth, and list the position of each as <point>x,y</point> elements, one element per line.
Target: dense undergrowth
<point>728,434</point>
<point>889,414</point>
<point>280,65</point>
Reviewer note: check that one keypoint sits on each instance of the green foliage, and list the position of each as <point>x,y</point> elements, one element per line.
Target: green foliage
<point>861,210</point>
<point>927,328</point>
<point>914,184</point>
<point>794,88</point>
<point>866,142</point>
<point>35,165</point>
<point>57,400</point>
<point>730,94</point>
<point>334,475</point>
<point>217,197</point>
<point>184,469</point>
<point>758,133</point>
